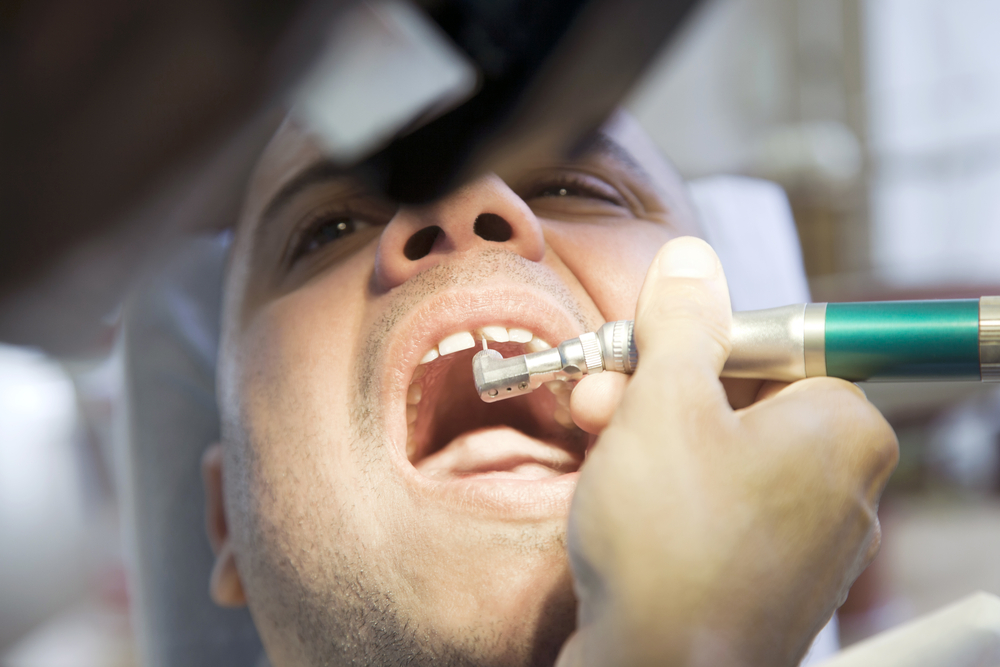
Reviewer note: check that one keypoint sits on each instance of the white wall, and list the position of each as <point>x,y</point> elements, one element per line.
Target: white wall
<point>725,82</point>
<point>933,78</point>
<point>43,564</point>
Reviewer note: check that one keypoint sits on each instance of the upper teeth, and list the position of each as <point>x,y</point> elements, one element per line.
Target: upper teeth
<point>456,342</point>
<point>495,333</point>
<point>463,340</point>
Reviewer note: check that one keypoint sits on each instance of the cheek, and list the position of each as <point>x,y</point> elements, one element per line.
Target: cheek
<point>609,260</point>
<point>296,384</point>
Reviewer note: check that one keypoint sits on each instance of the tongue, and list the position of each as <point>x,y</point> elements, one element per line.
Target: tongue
<point>498,451</point>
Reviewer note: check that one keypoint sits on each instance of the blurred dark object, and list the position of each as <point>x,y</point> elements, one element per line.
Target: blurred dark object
<point>108,109</point>
<point>551,73</point>
<point>124,125</point>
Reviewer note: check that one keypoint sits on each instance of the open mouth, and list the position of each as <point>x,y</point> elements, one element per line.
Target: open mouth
<point>453,434</point>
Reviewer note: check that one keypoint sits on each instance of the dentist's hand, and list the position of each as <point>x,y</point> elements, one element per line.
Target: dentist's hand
<point>703,535</point>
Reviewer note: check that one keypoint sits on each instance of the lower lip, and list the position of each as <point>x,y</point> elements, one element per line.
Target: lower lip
<point>506,497</point>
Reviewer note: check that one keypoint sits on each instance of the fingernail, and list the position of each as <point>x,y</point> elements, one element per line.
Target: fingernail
<point>688,258</point>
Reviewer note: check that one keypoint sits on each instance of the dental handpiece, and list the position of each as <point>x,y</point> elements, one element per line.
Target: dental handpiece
<point>888,341</point>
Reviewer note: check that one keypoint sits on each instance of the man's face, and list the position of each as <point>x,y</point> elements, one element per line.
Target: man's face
<point>379,511</point>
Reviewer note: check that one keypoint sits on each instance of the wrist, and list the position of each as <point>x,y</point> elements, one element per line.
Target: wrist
<point>639,630</point>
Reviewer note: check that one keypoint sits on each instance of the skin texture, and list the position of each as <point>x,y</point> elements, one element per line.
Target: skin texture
<point>348,553</point>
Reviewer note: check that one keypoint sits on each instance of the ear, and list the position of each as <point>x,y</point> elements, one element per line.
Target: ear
<point>225,585</point>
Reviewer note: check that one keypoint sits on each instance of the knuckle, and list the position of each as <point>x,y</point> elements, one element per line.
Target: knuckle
<point>875,544</point>
<point>856,430</point>
<point>836,387</point>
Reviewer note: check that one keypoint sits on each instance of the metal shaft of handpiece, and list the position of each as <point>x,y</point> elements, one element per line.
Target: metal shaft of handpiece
<point>877,341</point>
<point>498,378</point>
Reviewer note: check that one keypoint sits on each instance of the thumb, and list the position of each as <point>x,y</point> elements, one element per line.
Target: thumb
<point>682,324</point>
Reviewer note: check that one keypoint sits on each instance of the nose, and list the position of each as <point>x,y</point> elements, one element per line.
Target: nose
<point>484,213</point>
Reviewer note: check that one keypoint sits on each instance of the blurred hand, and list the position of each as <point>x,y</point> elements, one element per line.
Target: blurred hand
<point>704,535</point>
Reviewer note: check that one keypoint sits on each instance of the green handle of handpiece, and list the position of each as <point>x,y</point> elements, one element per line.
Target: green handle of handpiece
<point>903,340</point>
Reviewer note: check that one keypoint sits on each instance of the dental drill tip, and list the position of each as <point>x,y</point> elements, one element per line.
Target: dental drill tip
<point>497,378</point>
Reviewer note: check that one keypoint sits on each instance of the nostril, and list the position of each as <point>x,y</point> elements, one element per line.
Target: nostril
<point>492,227</point>
<point>420,244</point>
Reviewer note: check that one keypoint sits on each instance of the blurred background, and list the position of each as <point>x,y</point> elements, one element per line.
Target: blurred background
<point>881,120</point>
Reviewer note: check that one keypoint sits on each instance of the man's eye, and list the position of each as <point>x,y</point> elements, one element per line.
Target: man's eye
<point>324,232</point>
<point>588,188</point>
<point>560,191</point>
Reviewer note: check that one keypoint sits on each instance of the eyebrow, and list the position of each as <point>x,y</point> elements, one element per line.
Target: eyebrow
<point>316,173</point>
<point>602,144</point>
<point>324,171</point>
